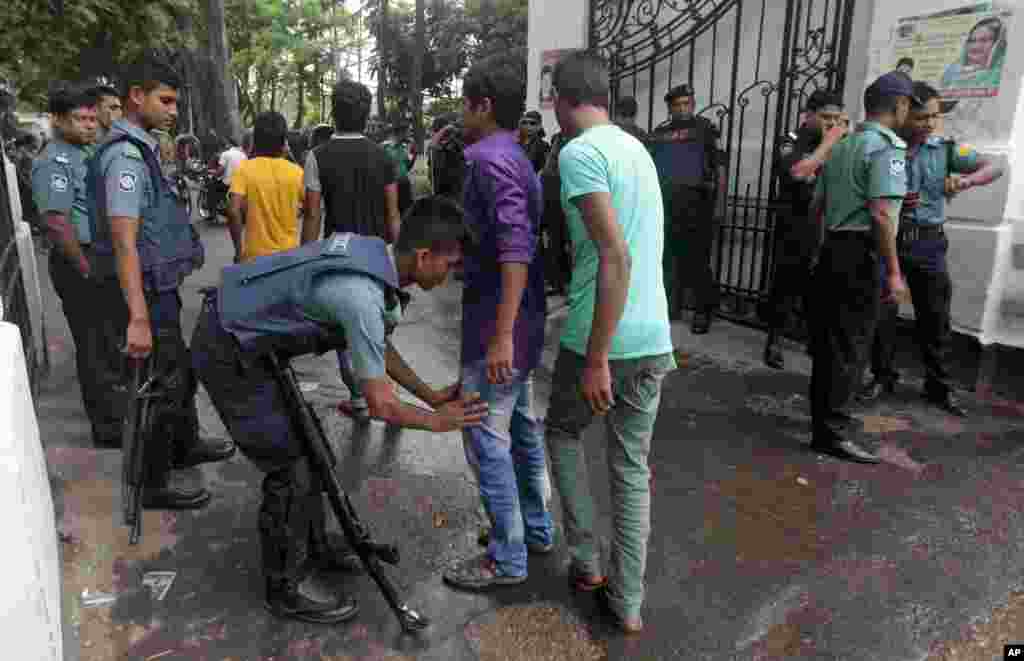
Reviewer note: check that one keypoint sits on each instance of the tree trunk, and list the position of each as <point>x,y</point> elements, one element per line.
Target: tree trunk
<point>416,88</point>
<point>273,94</point>
<point>226,119</point>
<point>382,78</point>
<point>300,103</point>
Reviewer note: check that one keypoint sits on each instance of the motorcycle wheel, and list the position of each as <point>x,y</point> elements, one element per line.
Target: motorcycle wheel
<point>203,206</point>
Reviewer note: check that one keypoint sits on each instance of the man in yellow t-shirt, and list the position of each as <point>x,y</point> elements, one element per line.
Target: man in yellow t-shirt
<point>266,194</point>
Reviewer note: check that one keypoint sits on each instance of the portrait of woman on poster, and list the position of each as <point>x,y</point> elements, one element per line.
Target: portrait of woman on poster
<point>981,62</point>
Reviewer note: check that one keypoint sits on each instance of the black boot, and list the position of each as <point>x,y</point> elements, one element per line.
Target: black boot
<point>330,552</point>
<point>773,353</point>
<point>285,600</point>
<point>701,322</point>
<point>205,450</point>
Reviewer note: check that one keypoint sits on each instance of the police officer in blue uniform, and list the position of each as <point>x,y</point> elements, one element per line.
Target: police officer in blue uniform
<point>799,156</point>
<point>144,246</point>
<point>335,293</point>
<point>685,151</point>
<point>936,168</point>
<point>58,188</point>
<point>859,193</point>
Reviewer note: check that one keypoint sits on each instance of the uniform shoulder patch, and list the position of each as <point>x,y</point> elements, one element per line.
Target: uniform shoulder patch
<point>62,159</point>
<point>965,150</point>
<point>127,181</point>
<point>131,151</point>
<point>897,167</point>
<point>59,182</point>
<point>786,148</point>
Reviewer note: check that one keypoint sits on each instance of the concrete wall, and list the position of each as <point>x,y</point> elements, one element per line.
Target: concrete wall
<point>553,24</point>
<point>30,618</point>
<point>985,225</point>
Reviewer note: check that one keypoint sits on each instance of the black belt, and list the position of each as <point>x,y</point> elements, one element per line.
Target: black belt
<point>849,235</point>
<point>911,232</point>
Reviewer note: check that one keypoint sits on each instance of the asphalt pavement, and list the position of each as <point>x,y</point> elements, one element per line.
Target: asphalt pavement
<point>760,549</point>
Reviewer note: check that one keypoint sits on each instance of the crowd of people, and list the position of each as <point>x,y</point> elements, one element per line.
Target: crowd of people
<point>619,220</point>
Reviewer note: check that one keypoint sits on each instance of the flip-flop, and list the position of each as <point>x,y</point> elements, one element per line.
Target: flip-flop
<point>586,582</point>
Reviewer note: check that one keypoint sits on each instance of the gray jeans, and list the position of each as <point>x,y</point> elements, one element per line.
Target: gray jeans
<point>636,385</point>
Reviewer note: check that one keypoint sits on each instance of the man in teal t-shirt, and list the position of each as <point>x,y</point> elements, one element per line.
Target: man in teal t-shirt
<point>617,345</point>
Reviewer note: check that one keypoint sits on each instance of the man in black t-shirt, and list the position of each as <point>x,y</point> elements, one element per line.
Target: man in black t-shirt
<point>350,176</point>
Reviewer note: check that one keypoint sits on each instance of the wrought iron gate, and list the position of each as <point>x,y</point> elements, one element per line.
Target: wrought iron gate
<point>752,65</point>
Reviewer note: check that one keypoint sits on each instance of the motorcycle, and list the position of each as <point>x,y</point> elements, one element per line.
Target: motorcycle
<point>212,203</point>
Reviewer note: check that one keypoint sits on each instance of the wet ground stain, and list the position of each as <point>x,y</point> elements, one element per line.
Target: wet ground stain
<point>533,633</point>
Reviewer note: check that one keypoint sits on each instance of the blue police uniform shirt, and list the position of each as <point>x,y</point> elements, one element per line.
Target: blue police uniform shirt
<point>127,180</point>
<point>58,184</point>
<point>926,174</point>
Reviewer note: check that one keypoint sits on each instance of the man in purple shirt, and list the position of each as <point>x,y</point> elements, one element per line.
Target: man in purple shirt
<point>503,316</point>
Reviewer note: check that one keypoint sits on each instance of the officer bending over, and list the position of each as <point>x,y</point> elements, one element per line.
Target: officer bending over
<point>936,168</point>
<point>685,151</point>
<point>330,294</point>
<point>859,192</point>
<point>800,156</point>
<point>144,248</point>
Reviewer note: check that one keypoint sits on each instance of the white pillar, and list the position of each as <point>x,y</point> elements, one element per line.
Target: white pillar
<point>552,26</point>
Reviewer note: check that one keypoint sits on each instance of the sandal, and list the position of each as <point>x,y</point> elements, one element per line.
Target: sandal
<point>479,573</point>
<point>582,581</point>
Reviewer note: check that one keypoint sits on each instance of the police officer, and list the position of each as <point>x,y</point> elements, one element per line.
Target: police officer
<point>448,160</point>
<point>799,156</point>
<point>144,248</point>
<point>531,130</point>
<point>626,110</point>
<point>337,292</point>
<point>58,188</point>
<point>936,168</point>
<point>859,192</point>
<point>685,151</point>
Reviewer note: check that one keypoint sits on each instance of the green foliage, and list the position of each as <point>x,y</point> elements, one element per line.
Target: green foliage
<point>90,39</point>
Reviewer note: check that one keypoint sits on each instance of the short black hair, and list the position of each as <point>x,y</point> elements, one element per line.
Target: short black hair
<point>582,78</point>
<point>320,135</point>
<point>627,106</point>
<point>149,71</point>
<point>683,90</point>
<point>68,98</point>
<point>105,90</point>
<point>876,103</point>
<point>350,106</point>
<point>923,93</point>
<point>502,79</point>
<point>905,60</point>
<point>433,223</point>
<point>269,133</point>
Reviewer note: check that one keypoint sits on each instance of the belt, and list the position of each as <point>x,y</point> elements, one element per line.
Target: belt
<point>910,232</point>
<point>849,235</point>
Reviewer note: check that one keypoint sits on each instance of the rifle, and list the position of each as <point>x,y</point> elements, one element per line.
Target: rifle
<point>322,457</point>
<point>135,434</point>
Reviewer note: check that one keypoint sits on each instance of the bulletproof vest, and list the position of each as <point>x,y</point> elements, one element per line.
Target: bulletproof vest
<point>261,301</point>
<point>448,162</point>
<point>682,150</point>
<point>797,193</point>
<point>169,247</point>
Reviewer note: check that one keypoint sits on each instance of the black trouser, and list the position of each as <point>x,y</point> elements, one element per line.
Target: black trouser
<point>176,422</point>
<point>249,400</point>
<point>845,304</point>
<point>795,247</point>
<point>557,259</point>
<point>404,195</point>
<point>93,351</point>
<point>689,236</point>
<point>922,253</point>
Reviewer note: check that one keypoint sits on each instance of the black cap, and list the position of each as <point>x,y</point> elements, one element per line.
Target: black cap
<point>893,83</point>
<point>678,91</point>
<point>532,114</point>
<point>822,98</point>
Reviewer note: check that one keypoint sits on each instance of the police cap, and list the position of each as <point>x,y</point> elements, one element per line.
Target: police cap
<point>678,91</point>
<point>891,84</point>
<point>820,99</point>
<point>532,114</point>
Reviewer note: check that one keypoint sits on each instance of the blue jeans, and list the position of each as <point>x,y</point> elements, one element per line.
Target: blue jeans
<point>506,452</point>
<point>348,377</point>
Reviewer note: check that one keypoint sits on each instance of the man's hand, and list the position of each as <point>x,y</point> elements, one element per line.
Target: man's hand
<point>445,395</point>
<point>956,184</point>
<point>500,352</point>
<point>139,339</point>
<point>596,387</point>
<point>897,289</point>
<point>467,411</point>
<point>834,134</point>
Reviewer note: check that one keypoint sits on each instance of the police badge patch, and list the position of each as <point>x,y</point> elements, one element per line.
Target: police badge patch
<point>126,181</point>
<point>59,183</point>
<point>786,148</point>
<point>897,167</point>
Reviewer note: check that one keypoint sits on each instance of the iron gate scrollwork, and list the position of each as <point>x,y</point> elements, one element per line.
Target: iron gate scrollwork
<point>752,65</point>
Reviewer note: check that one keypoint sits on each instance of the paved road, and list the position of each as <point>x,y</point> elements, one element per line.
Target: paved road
<point>760,550</point>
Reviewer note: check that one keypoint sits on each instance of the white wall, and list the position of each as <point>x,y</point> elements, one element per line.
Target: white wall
<point>983,224</point>
<point>553,24</point>
<point>30,617</point>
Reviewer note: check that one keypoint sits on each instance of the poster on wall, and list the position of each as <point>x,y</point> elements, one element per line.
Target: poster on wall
<point>548,60</point>
<point>960,52</point>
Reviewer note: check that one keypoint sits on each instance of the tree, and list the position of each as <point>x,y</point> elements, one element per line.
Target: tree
<point>227,121</point>
<point>416,89</point>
